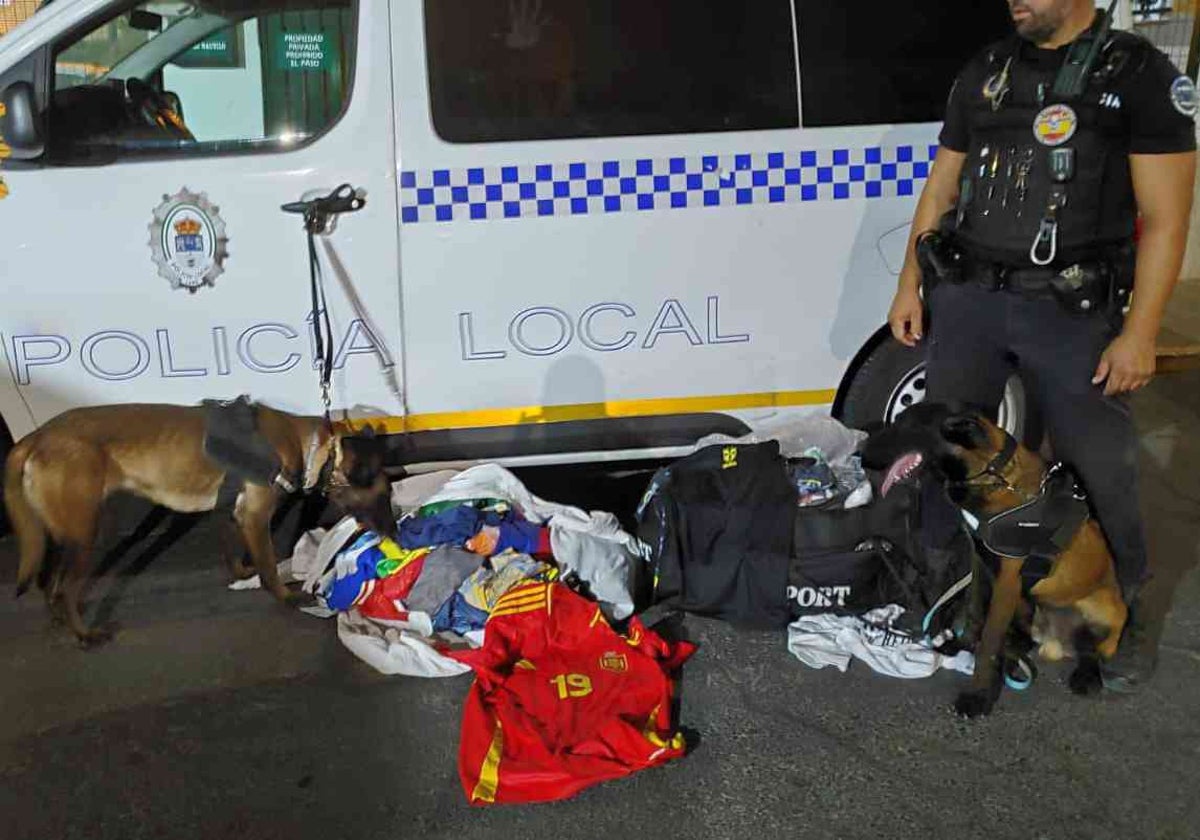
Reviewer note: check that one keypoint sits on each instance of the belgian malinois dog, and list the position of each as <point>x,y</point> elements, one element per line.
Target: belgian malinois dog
<point>57,478</point>
<point>987,473</point>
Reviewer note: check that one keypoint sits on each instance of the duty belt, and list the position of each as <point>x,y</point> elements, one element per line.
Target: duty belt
<point>1081,287</point>
<point>1032,280</point>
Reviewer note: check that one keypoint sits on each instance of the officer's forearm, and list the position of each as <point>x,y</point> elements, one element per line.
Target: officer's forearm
<point>1160,257</point>
<point>937,198</point>
<point>931,207</point>
<point>1163,187</point>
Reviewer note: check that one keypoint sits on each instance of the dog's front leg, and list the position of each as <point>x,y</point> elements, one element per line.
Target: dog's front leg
<point>976,607</point>
<point>233,547</point>
<point>253,515</point>
<point>985,685</point>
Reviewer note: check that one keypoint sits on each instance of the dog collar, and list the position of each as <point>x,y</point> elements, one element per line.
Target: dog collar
<point>995,468</point>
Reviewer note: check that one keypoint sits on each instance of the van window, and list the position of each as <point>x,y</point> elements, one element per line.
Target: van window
<point>874,62</point>
<point>207,79</point>
<point>541,69</point>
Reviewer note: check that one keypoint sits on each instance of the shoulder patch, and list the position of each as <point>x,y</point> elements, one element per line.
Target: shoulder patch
<point>1183,96</point>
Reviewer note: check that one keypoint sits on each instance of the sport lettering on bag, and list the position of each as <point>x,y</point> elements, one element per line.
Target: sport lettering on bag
<point>572,685</point>
<point>729,457</point>
<point>819,596</point>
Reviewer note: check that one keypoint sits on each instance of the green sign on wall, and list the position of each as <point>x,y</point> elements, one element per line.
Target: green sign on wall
<point>222,49</point>
<point>302,51</point>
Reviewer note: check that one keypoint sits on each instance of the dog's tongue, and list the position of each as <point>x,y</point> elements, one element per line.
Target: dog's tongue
<point>900,470</point>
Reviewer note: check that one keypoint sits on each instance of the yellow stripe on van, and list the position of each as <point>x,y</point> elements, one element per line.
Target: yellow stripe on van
<point>499,417</point>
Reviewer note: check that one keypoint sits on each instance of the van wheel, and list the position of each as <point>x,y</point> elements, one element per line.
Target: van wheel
<point>893,378</point>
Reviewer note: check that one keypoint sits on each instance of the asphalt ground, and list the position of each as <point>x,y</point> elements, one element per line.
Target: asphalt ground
<point>220,714</point>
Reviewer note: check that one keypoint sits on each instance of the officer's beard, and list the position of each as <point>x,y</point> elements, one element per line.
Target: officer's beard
<point>1037,28</point>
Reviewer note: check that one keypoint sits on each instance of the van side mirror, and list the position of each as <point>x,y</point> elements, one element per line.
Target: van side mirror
<point>19,125</point>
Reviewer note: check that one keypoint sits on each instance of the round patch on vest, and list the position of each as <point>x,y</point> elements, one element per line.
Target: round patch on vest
<point>1055,125</point>
<point>1183,96</point>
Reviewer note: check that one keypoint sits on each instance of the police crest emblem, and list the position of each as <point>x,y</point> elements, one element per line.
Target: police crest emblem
<point>187,240</point>
<point>1183,96</point>
<point>1055,125</point>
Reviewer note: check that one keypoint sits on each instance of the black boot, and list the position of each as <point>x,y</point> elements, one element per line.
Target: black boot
<point>1136,657</point>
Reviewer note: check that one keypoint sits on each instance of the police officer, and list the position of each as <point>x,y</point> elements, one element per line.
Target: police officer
<point>1055,141</point>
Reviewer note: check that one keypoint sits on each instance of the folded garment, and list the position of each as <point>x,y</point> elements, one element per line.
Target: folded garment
<point>355,574</point>
<point>519,536</point>
<point>453,526</point>
<point>434,508</point>
<point>442,573</point>
<point>457,616</point>
<point>412,491</point>
<point>394,562</point>
<point>603,560</point>
<point>483,588</point>
<point>562,702</point>
<point>469,607</point>
<point>358,571</point>
<point>396,648</point>
<point>610,571</point>
<point>386,598</point>
<point>821,640</point>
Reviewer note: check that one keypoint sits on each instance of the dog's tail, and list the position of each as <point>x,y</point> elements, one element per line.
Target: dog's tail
<point>26,523</point>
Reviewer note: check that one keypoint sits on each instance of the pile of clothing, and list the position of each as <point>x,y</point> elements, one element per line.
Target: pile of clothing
<point>487,577</point>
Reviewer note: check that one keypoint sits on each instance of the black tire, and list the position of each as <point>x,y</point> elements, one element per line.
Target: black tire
<point>892,378</point>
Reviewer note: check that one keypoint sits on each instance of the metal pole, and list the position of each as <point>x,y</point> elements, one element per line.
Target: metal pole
<point>1193,59</point>
<point>1122,15</point>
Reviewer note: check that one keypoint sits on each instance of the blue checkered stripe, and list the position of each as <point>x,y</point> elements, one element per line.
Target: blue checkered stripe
<point>619,186</point>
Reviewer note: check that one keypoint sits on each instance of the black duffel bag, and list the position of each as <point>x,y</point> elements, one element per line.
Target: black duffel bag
<point>852,561</point>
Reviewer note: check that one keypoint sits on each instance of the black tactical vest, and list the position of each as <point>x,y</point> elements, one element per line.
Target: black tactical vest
<point>1043,169</point>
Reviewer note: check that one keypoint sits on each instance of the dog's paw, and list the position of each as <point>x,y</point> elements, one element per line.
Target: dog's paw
<point>241,570</point>
<point>974,704</point>
<point>93,639</point>
<point>299,599</point>
<point>1086,680</point>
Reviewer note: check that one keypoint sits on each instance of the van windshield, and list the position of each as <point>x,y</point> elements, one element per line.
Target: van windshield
<point>93,57</point>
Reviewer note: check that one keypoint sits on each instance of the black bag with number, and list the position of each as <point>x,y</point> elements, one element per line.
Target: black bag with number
<point>719,525</point>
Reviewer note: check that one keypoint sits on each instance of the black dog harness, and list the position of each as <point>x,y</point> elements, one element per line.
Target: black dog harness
<point>235,444</point>
<point>1041,527</point>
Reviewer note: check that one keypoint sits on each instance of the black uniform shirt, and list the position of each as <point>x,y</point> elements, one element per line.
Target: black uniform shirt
<point>1136,103</point>
<point>1154,123</point>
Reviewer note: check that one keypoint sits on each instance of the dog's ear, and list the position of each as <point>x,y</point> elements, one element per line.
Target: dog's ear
<point>964,430</point>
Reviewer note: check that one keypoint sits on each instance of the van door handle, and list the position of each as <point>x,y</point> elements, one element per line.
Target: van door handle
<point>317,211</point>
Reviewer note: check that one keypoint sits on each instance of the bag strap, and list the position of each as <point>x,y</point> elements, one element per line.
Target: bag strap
<point>885,555</point>
<point>961,584</point>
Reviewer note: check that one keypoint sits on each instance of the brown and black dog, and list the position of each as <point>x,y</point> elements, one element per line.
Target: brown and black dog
<point>987,473</point>
<point>57,478</point>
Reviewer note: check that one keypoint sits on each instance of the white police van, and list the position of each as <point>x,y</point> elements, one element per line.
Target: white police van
<point>592,228</point>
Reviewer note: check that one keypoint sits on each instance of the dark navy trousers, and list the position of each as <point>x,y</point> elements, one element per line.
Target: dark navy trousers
<point>977,337</point>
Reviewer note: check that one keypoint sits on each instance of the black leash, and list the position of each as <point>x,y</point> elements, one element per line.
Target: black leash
<point>317,213</point>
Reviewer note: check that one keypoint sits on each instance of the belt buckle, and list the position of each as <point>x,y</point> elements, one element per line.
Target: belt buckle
<point>1000,277</point>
